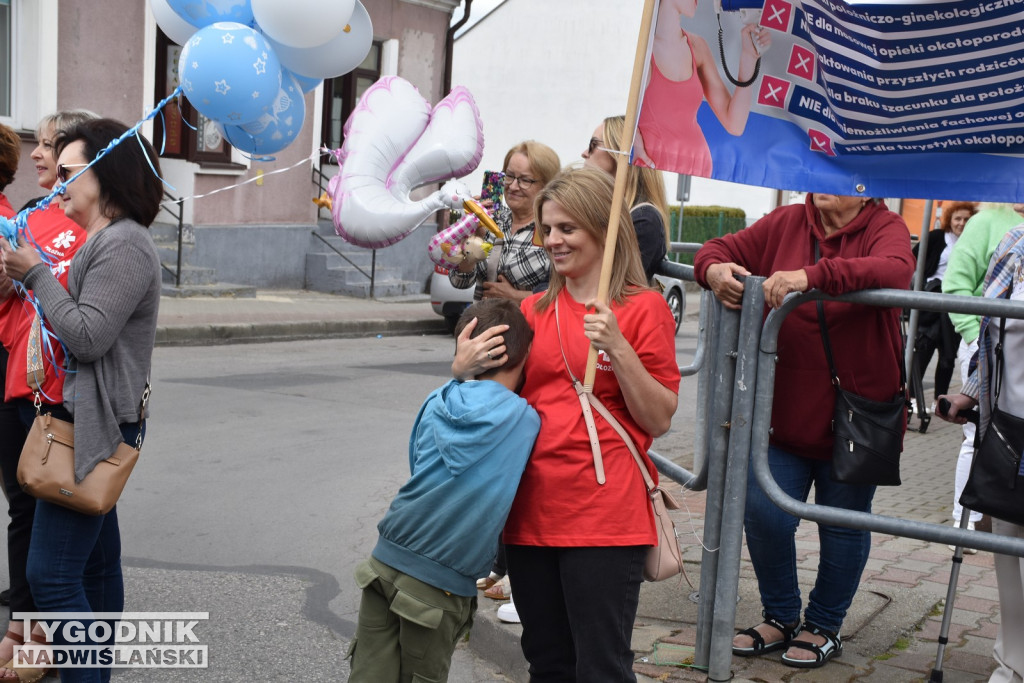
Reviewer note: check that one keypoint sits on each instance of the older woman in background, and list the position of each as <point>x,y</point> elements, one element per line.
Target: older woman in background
<point>935,329</point>
<point>107,319</point>
<point>862,244</point>
<point>522,267</point>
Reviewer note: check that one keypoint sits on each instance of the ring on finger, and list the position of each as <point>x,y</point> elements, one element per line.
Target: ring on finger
<point>489,356</point>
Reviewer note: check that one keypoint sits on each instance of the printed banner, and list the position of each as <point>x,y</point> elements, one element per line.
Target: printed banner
<point>918,100</point>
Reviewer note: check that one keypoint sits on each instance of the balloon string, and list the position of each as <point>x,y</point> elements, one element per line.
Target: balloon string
<point>298,163</point>
<point>49,339</point>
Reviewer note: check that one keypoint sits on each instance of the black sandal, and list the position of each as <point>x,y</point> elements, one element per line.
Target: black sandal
<point>832,647</point>
<point>760,647</point>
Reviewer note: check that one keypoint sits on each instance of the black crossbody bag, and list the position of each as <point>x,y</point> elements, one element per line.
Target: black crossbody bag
<point>995,486</point>
<point>867,435</point>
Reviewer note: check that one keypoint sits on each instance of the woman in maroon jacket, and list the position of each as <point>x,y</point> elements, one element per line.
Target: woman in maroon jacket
<point>862,245</point>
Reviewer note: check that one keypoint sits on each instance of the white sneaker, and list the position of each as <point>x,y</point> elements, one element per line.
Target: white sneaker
<point>967,551</point>
<point>507,613</point>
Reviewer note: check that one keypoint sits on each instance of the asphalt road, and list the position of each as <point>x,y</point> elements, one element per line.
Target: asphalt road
<point>264,473</point>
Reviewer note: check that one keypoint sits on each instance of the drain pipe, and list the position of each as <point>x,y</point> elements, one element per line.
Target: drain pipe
<point>449,48</point>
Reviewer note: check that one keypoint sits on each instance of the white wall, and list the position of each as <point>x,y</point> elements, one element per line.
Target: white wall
<point>551,70</point>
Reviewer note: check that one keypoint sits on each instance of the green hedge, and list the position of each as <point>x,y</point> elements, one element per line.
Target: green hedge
<point>701,223</point>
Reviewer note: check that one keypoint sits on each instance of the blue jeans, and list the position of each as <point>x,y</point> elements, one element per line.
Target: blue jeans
<point>577,606</point>
<point>74,565</point>
<point>772,545</point>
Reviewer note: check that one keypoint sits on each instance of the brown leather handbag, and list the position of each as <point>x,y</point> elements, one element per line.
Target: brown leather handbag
<point>46,468</point>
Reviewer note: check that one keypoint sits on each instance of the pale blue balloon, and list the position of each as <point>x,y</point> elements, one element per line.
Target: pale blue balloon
<point>202,13</point>
<point>305,82</point>
<point>274,131</point>
<point>230,73</point>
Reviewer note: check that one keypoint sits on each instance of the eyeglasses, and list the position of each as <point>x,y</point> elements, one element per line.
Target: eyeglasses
<point>524,182</point>
<point>62,171</point>
<point>594,144</point>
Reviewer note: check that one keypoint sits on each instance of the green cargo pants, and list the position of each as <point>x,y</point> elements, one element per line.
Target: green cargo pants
<point>407,629</point>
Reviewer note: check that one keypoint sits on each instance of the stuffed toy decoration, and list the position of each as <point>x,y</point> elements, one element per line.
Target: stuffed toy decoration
<point>452,246</point>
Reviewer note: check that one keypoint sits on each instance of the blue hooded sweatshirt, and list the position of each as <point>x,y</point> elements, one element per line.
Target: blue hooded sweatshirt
<point>467,451</point>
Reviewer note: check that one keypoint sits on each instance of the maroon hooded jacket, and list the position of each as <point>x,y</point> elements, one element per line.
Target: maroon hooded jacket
<point>872,251</point>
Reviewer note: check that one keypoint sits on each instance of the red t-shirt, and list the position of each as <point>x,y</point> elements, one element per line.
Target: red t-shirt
<point>559,502</point>
<point>6,210</point>
<point>59,237</point>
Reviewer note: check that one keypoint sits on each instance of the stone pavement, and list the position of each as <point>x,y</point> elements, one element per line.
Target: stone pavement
<point>891,632</point>
<point>892,629</point>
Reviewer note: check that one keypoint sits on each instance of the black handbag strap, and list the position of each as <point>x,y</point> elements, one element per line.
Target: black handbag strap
<point>998,383</point>
<point>828,345</point>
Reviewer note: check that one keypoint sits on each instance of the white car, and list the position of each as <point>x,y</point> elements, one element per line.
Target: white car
<point>447,300</point>
<point>450,302</point>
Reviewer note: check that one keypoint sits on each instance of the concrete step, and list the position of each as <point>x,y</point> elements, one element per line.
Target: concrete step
<point>350,282</point>
<point>317,260</point>
<point>217,290</point>
<point>190,275</point>
<point>381,290</point>
<point>164,232</point>
<point>168,252</point>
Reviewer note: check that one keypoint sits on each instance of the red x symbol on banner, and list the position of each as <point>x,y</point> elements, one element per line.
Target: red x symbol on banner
<point>821,142</point>
<point>776,14</point>
<point>801,62</point>
<point>773,92</point>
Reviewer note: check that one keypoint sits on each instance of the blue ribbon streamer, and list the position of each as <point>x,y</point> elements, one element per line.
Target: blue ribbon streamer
<point>12,229</point>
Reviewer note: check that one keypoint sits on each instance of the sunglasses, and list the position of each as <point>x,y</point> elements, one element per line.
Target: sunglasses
<point>62,171</point>
<point>594,144</point>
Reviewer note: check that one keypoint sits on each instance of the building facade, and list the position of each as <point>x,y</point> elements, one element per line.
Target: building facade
<point>110,57</point>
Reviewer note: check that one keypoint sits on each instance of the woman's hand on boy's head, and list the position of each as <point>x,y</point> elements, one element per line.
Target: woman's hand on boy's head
<point>475,355</point>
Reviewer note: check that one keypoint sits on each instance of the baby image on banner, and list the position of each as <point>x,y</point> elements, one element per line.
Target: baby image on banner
<point>877,99</point>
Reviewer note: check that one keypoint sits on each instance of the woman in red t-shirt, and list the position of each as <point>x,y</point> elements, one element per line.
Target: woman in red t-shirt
<point>59,237</point>
<point>576,547</point>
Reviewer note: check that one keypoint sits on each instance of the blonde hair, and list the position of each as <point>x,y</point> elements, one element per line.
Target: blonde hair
<point>65,120</point>
<point>586,195</point>
<point>543,160</point>
<point>642,184</point>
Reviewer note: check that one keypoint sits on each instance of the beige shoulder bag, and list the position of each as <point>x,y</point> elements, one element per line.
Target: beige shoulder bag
<point>46,468</point>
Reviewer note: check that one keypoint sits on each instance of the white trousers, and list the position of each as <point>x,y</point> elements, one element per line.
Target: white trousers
<point>963,461</point>
<point>1009,647</point>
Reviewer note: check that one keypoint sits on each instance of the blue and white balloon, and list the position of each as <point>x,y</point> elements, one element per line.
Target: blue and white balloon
<point>229,72</point>
<point>202,13</point>
<point>272,132</point>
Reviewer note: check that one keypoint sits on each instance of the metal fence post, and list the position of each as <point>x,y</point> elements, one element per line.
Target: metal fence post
<point>735,490</point>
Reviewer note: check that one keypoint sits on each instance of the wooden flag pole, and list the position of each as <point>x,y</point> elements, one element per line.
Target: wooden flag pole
<point>621,167</point>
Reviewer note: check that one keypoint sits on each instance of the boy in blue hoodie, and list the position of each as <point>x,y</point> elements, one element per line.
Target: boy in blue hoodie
<point>468,448</point>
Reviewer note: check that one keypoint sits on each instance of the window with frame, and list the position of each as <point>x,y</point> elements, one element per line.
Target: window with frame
<point>183,131</point>
<point>6,55</point>
<point>341,94</point>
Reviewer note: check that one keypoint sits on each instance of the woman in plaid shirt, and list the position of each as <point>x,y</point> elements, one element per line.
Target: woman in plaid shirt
<point>522,267</point>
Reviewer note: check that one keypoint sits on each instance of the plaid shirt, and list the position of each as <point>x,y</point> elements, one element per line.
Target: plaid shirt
<point>1005,271</point>
<point>524,265</point>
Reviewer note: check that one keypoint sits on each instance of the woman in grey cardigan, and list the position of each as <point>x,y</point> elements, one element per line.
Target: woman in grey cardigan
<point>107,321</point>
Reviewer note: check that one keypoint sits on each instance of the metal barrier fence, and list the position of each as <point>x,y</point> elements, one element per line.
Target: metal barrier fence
<point>735,364</point>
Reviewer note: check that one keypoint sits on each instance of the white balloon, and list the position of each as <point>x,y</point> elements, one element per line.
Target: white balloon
<point>302,23</point>
<point>172,24</point>
<point>335,58</point>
